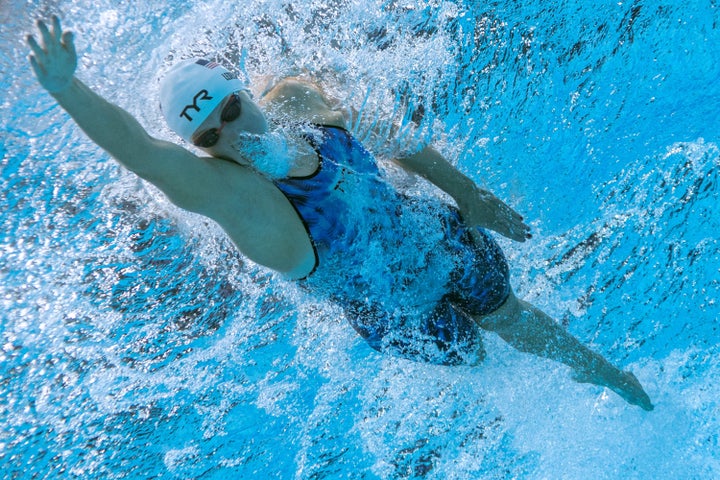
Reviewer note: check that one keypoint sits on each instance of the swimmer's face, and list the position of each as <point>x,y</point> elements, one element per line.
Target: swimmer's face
<point>235,117</point>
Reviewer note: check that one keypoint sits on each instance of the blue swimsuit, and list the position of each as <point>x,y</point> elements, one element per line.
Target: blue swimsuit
<point>406,270</point>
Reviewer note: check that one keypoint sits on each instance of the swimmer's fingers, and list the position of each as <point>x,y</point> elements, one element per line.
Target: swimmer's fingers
<point>64,39</point>
<point>37,68</point>
<point>519,230</point>
<point>48,38</point>
<point>56,28</point>
<point>37,50</point>
<point>481,208</point>
<point>69,44</point>
<point>507,211</point>
<point>519,234</point>
<point>40,52</point>
<point>52,40</point>
<point>509,222</point>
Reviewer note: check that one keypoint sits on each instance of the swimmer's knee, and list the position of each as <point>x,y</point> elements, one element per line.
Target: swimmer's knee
<point>502,318</point>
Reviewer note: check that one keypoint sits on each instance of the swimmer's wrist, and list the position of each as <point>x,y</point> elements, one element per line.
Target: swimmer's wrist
<point>463,188</point>
<point>61,92</point>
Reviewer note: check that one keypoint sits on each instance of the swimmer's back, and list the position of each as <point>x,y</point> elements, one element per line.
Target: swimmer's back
<point>303,102</point>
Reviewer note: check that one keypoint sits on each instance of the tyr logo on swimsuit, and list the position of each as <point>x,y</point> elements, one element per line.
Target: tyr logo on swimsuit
<point>201,95</point>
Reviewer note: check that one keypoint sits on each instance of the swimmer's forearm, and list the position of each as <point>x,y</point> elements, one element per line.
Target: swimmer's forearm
<point>109,126</point>
<point>478,207</point>
<point>432,165</point>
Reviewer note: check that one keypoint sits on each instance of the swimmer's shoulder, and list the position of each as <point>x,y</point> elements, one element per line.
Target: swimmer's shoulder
<point>304,101</point>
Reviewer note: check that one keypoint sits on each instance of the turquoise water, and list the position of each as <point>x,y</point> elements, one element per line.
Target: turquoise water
<point>136,343</point>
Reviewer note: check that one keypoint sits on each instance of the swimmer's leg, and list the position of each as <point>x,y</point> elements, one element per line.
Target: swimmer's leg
<point>530,330</point>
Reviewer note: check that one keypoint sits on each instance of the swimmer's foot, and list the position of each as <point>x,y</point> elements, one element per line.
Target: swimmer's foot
<point>624,384</point>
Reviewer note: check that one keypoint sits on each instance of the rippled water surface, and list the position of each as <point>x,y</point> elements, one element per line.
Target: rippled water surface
<point>136,343</point>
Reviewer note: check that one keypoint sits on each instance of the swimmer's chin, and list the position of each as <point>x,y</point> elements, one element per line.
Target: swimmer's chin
<point>230,158</point>
<point>270,154</point>
<point>272,174</point>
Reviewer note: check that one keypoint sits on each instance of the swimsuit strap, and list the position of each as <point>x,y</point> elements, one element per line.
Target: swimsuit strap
<point>320,198</point>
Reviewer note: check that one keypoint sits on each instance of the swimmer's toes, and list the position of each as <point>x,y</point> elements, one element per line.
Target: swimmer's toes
<point>639,397</point>
<point>647,404</point>
<point>643,401</point>
<point>627,386</point>
<point>631,390</point>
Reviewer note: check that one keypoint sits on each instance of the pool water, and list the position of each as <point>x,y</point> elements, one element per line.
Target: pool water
<point>135,341</point>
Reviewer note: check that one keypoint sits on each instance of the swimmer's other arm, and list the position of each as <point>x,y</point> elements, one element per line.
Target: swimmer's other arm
<point>479,207</point>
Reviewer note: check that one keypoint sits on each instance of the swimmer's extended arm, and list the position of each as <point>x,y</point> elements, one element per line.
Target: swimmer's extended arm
<point>176,171</point>
<point>112,128</point>
<point>479,207</point>
<point>180,174</point>
<point>254,213</point>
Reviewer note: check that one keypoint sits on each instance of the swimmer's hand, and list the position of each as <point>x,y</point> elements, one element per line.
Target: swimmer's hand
<point>480,208</point>
<point>54,60</point>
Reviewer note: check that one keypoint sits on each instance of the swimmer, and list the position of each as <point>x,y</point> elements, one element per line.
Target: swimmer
<point>280,177</point>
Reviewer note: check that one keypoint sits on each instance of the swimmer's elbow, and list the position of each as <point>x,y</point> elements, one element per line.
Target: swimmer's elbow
<point>292,260</point>
<point>139,154</point>
<point>302,269</point>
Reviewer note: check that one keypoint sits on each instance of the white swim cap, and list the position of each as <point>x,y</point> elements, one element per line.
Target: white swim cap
<point>191,90</point>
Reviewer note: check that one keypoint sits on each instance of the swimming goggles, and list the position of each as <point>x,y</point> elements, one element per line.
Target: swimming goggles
<point>231,112</point>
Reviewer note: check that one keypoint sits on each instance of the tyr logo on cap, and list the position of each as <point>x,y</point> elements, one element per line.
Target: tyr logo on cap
<point>201,95</point>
